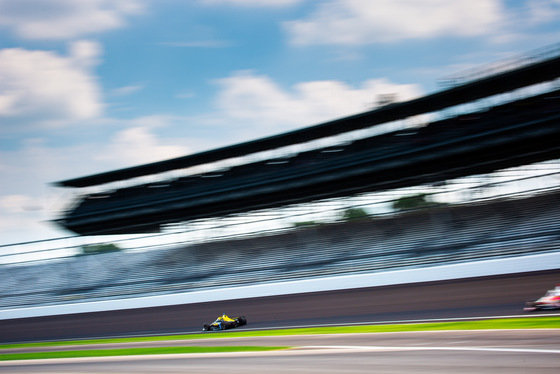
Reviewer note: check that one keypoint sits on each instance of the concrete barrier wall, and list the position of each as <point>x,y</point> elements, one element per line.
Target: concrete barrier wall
<point>548,261</point>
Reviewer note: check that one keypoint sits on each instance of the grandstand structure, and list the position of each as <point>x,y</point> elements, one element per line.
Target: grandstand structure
<point>515,133</point>
<point>516,127</point>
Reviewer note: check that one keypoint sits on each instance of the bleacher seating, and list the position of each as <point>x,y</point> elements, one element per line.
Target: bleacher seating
<point>425,237</point>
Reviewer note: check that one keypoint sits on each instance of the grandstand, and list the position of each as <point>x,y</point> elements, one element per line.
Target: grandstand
<point>520,128</point>
<point>515,133</point>
<point>421,238</point>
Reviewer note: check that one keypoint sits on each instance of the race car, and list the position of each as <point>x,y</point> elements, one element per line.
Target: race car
<point>550,300</point>
<point>224,322</point>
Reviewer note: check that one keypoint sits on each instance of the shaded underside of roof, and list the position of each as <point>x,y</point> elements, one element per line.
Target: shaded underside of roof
<point>519,138</point>
<point>500,83</point>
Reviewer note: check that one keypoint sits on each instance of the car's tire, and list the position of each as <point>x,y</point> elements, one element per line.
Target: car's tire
<point>205,327</point>
<point>530,306</point>
<point>242,321</point>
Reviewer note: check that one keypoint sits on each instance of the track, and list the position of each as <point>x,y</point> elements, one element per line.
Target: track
<point>473,297</point>
<point>517,351</point>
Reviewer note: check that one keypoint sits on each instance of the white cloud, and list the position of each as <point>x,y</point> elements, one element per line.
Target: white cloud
<point>138,145</point>
<point>543,11</point>
<point>257,101</point>
<point>18,203</point>
<point>22,219</point>
<point>46,86</point>
<point>65,19</point>
<point>27,203</point>
<point>85,54</point>
<point>357,22</point>
<point>127,90</point>
<point>24,204</point>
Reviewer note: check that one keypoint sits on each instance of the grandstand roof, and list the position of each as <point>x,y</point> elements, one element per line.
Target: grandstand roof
<point>496,84</point>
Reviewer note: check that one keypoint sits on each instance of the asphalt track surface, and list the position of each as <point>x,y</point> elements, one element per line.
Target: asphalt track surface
<point>418,352</point>
<point>403,352</point>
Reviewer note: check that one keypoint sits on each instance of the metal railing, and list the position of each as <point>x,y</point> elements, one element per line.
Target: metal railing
<point>501,66</point>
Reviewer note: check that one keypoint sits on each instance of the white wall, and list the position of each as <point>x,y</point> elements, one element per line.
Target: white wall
<point>548,261</point>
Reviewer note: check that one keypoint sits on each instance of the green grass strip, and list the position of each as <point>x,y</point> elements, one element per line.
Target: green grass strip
<point>498,324</point>
<point>131,352</point>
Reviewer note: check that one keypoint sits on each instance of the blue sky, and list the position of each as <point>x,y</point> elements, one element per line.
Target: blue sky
<point>88,86</point>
